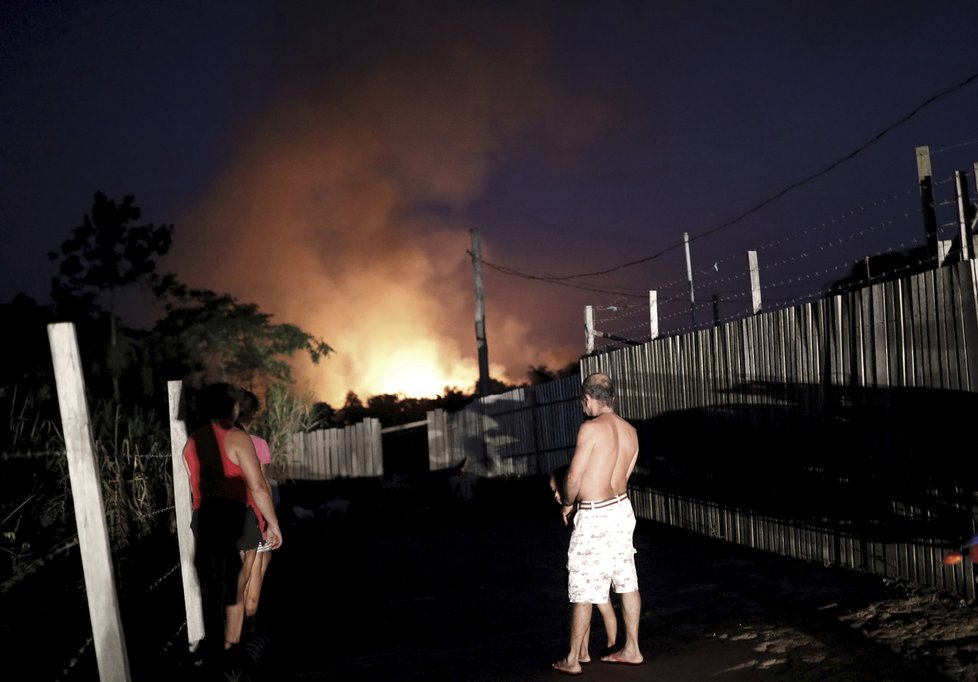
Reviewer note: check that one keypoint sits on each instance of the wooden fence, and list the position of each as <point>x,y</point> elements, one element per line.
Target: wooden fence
<point>917,560</point>
<point>827,431</point>
<point>349,452</point>
<point>527,430</point>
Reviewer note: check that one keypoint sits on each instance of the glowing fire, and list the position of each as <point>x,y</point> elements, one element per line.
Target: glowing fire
<point>414,375</point>
<point>417,372</point>
<point>346,215</point>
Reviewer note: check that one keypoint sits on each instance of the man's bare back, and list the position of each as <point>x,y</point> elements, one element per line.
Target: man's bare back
<point>605,455</point>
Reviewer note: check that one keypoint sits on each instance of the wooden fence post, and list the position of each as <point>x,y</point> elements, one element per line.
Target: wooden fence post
<point>588,330</point>
<point>653,314</point>
<point>689,277</point>
<point>964,207</point>
<point>436,439</point>
<point>182,502</point>
<point>755,282</point>
<point>86,491</point>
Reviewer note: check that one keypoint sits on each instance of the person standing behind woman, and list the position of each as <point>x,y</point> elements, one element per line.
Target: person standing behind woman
<point>248,407</point>
<point>225,478</point>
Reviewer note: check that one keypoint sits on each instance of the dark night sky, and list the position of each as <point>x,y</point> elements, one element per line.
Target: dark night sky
<point>338,154</point>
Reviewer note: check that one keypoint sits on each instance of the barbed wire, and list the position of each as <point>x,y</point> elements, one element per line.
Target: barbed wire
<point>825,224</point>
<point>910,267</point>
<point>862,231</point>
<point>159,581</point>
<point>765,202</point>
<point>169,644</point>
<point>42,454</point>
<point>39,563</point>
<point>953,146</point>
<point>744,297</point>
<point>73,661</point>
<point>818,272</point>
<point>680,284</point>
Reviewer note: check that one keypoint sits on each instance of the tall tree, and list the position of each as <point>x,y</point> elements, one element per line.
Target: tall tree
<point>107,252</point>
<point>207,336</point>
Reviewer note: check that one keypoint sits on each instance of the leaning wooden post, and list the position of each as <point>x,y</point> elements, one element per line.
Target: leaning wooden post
<point>964,206</point>
<point>181,500</point>
<point>755,282</point>
<point>86,491</point>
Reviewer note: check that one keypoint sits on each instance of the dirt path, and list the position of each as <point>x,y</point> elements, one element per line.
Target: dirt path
<point>409,594</point>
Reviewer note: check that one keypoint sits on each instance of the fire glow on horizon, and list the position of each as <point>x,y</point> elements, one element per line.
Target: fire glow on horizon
<point>344,214</point>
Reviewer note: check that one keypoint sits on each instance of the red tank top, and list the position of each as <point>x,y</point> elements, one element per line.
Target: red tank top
<point>212,473</point>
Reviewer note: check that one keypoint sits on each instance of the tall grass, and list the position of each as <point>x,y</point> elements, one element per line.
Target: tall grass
<point>134,458</point>
<point>285,413</point>
<point>36,512</point>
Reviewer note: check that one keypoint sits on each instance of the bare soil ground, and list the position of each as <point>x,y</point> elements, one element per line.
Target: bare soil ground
<point>404,582</point>
<point>476,591</point>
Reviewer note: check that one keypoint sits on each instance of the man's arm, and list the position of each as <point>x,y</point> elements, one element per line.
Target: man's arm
<point>258,485</point>
<point>578,465</point>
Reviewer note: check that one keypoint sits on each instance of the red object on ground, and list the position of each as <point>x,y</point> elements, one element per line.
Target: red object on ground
<point>955,558</point>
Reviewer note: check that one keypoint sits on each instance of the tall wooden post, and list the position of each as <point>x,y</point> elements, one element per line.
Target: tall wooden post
<point>653,314</point>
<point>972,208</point>
<point>588,330</point>
<point>755,282</point>
<point>480,314</point>
<point>86,493</point>
<point>181,501</point>
<point>964,207</point>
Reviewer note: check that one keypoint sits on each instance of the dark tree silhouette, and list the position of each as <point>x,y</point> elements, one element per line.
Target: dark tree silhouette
<point>212,337</point>
<point>541,374</point>
<point>107,252</point>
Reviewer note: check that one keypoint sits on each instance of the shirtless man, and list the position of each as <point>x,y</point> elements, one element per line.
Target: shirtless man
<point>601,550</point>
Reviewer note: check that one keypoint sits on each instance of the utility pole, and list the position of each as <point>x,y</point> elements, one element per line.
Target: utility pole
<point>480,314</point>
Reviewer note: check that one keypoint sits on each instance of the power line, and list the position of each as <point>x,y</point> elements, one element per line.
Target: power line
<point>920,107</point>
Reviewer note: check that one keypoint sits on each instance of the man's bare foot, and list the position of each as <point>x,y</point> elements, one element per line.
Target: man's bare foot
<point>562,666</point>
<point>622,657</point>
